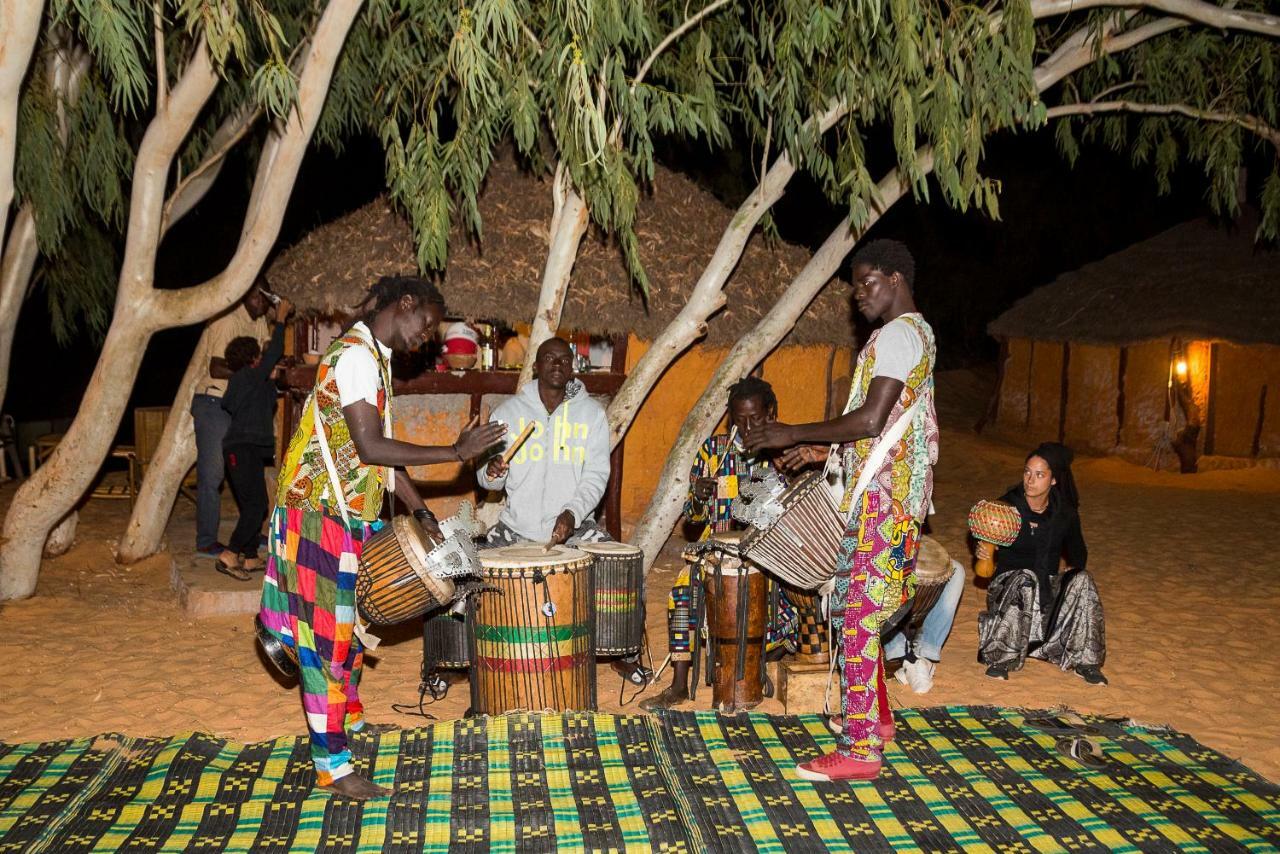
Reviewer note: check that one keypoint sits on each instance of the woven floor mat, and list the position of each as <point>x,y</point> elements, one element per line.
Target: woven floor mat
<point>956,779</point>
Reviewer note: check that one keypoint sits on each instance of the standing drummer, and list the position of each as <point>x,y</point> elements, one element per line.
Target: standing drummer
<point>558,475</point>
<point>874,569</point>
<point>722,465</point>
<point>340,463</point>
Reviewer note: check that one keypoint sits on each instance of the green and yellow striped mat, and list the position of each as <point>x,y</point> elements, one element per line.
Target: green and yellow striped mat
<point>957,779</point>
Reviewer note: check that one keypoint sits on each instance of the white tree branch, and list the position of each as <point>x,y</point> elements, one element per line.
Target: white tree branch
<point>689,23</point>
<point>1250,123</point>
<point>277,170</point>
<point>193,187</point>
<point>1197,11</point>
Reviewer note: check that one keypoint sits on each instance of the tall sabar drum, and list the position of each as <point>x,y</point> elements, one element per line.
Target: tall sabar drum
<point>736,617</point>
<point>531,629</point>
<point>618,569</point>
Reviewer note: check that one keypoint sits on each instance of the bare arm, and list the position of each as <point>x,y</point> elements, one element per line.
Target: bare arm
<point>867,420</point>
<point>378,450</point>
<point>218,368</point>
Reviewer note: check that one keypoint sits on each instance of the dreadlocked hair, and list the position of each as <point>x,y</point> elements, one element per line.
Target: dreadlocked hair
<point>754,387</point>
<point>389,289</point>
<point>889,257</point>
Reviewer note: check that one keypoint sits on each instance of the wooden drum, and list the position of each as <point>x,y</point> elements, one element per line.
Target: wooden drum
<point>531,629</point>
<point>394,582</point>
<point>801,547</point>
<point>933,570</point>
<point>619,575</point>
<point>736,619</point>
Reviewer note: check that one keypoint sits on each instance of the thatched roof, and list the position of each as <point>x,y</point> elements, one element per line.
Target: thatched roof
<point>1197,280</point>
<point>678,225</point>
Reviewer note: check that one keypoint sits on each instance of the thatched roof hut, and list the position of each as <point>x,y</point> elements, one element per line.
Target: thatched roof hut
<point>1194,281</point>
<point>1095,356</point>
<point>678,225</point>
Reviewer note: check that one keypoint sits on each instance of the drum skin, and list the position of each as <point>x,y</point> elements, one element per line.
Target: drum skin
<point>531,631</point>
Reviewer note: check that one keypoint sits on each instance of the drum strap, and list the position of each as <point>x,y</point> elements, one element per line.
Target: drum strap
<point>850,499</point>
<point>347,562</point>
<point>740,665</point>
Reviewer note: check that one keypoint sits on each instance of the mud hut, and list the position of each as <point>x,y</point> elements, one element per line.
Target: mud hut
<point>497,278</point>
<point>1096,357</point>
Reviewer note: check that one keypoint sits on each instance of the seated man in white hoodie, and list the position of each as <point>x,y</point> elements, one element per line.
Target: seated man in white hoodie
<point>558,476</point>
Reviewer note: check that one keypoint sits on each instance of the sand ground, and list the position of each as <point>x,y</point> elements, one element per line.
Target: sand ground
<point>1191,617</point>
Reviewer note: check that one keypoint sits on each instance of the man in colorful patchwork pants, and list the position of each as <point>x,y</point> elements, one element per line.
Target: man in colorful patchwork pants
<point>340,462</point>
<point>888,438</point>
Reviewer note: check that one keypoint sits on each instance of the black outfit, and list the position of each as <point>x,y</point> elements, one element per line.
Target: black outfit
<point>250,441</point>
<point>1032,610</point>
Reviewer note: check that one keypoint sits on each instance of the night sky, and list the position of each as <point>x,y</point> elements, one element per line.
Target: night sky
<point>969,268</point>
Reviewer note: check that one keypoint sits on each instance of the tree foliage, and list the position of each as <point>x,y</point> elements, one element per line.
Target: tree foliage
<point>76,142</point>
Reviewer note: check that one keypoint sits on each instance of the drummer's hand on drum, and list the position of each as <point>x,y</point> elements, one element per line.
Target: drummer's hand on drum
<point>773,434</point>
<point>802,456</point>
<point>704,488</point>
<point>565,523</point>
<point>474,441</point>
<point>983,550</point>
<point>496,468</point>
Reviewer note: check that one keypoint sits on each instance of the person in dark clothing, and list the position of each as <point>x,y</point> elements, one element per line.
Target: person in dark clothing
<point>250,400</point>
<point>1033,610</point>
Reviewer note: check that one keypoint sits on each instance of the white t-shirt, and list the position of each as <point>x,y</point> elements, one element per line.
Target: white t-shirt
<point>356,371</point>
<point>899,348</point>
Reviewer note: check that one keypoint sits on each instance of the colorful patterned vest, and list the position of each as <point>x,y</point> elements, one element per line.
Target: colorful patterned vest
<point>717,459</point>
<point>907,472</point>
<point>304,481</point>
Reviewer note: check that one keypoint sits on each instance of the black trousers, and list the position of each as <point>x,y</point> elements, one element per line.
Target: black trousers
<point>246,470</point>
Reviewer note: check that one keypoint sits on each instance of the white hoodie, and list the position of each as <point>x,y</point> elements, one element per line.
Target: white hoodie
<point>563,465</point>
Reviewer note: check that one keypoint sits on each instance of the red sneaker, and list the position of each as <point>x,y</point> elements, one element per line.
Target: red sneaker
<point>838,766</point>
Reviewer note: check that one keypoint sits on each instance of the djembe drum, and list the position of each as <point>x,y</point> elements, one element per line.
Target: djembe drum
<point>800,548</point>
<point>619,574</point>
<point>997,524</point>
<point>736,615</point>
<point>403,573</point>
<point>933,570</point>
<point>532,643</point>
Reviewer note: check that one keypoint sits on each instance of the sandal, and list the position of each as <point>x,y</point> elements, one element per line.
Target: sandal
<point>1083,750</point>
<point>633,671</point>
<point>235,570</point>
<point>371,730</point>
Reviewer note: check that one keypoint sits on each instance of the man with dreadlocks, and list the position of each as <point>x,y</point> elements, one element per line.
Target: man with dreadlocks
<point>340,463</point>
<point>889,439</point>
<point>722,465</point>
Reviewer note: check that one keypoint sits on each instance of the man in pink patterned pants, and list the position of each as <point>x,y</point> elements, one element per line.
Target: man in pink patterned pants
<point>889,442</point>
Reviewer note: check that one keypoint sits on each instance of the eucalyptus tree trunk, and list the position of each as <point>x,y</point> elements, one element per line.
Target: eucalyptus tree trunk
<point>141,309</point>
<point>568,225</point>
<point>174,456</point>
<point>16,267</point>
<point>668,497</point>
<point>19,29</point>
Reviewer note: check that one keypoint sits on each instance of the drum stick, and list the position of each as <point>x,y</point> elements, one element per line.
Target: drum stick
<point>520,440</point>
